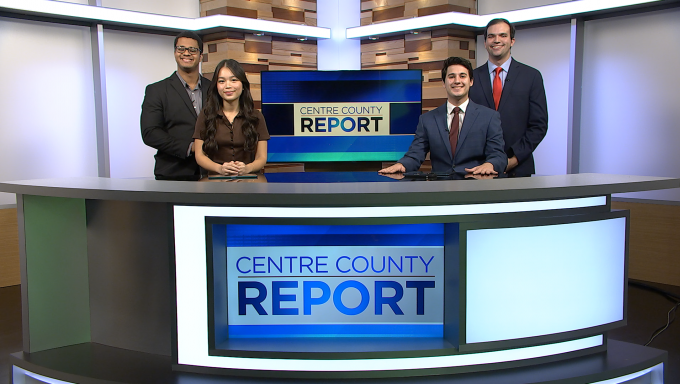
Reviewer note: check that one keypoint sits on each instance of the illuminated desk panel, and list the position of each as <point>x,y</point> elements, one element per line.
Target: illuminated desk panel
<point>121,232</point>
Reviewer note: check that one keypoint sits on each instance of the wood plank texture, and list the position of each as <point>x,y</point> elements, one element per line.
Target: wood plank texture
<point>654,242</point>
<point>385,14</point>
<point>263,52</point>
<point>443,9</point>
<point>418,45</point>
<point>288,14</point>
<point>9,248</point>
<point>425,50</point>
<point>258,47</point>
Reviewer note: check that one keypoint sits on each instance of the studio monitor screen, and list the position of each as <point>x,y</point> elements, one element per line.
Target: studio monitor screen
<point>317,116</point>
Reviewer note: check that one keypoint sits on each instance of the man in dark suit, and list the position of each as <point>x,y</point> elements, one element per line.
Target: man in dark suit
<point>170,109</point>
<point>460,135</point>
<point>516,91</point>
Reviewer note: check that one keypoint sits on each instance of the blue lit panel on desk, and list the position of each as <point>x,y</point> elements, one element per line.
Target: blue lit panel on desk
<point>330,280</point>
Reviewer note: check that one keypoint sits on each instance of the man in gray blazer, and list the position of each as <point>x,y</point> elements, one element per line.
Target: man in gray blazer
<point>170,109</point>
<point>461,136</point>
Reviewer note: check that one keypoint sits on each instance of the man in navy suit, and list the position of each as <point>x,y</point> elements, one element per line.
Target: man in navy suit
<point>170,109</point>
<point>460,136</point>
<point>516,91</point>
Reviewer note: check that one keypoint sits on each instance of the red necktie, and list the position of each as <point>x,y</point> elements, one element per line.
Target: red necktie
<point>497,87</point>
<point>453,131</point>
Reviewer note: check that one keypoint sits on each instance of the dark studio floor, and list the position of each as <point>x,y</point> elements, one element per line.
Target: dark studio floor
<point>647,311</point>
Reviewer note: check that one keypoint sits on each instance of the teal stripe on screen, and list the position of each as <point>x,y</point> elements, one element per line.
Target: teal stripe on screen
<point>334,156</point>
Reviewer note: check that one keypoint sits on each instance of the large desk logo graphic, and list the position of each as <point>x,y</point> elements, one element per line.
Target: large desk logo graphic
<point>320,281</point>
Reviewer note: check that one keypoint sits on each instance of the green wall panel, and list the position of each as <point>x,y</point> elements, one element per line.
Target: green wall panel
<point>57,272</point>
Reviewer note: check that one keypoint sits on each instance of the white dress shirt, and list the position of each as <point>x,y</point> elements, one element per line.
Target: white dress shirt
<point>461,114</point>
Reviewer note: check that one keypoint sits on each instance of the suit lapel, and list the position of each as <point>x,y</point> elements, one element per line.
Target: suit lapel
<point>509,81</point>
<point>468,122</point>
<point>440,120</point>
<point>486,84</point>
<point>179,88</point>
<point>204,90</point>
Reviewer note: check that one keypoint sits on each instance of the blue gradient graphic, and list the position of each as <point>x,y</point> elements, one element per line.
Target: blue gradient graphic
<point>240,235</point>
<point>341,86</point>
<point>337,148</point>
<point>336,330</point>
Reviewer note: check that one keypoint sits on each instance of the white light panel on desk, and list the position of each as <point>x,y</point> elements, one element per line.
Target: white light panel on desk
<point>192,302</point>
<point>532,281</point>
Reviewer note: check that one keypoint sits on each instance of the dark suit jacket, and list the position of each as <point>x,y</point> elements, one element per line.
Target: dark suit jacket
<point>523,109</point>
<point>480,141</point>
<point>168,121</point>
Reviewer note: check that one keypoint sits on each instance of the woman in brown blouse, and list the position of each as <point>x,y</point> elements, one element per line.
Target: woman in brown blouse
<point>231,135</point>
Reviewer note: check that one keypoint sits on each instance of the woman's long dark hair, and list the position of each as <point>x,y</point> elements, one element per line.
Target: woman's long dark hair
<point>214,106</point>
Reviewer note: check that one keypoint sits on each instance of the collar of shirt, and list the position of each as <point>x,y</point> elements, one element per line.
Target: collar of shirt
<point>184,83</point>
<point>463,107</point>
<point>221,113</point>
<point>504,72</point>
<point>461,114</point>
<point>505,66</point>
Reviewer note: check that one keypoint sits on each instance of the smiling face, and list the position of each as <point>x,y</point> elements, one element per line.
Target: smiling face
<point>229,86</point>
<point>457,84</point>
<point>187,61</point>
<point>498,43</point>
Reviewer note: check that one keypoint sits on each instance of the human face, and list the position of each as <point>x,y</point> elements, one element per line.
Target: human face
<point>457,84</point>
<point>498,43</point>
<point>187,61</point>
<point>229,86</point>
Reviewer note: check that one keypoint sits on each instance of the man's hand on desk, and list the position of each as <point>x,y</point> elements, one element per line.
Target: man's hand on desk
<point>396,168</point>
<point>484,169</point>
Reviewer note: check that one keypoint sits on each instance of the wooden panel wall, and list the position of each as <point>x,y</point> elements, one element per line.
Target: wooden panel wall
<point>287,11</point>
<point>375,11</point>
<point>654,253</point>
<point>260,53</point>
<point>9,248</point>
<point>423,50</point>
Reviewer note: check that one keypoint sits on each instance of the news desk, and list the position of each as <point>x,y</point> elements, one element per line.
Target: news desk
<point>340,276</point>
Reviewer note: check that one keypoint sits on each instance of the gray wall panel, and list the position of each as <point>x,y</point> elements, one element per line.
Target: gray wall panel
<point>630,114</point>
<point>130,281</point>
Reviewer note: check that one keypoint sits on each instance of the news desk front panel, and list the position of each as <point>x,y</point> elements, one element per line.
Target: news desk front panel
<point>463,286</point>
<point>528,276</point>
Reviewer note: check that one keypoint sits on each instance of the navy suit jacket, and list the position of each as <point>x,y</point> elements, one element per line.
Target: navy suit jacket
<point>168,121</point>
<point>523,109</point>
<point>480,141</point>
